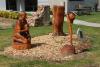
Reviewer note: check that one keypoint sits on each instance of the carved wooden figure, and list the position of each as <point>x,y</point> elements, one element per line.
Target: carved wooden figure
<point>21,36</point>
<point>69,48</point>
<point>58,19</point>
<point>70,19</point>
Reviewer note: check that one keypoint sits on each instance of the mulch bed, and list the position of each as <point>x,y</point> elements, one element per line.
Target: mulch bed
<point>47,47</point>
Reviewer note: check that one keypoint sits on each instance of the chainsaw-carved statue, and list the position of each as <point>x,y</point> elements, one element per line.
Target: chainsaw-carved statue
<point>21,36</point>
<point>69,48</point>
<point>58,19</point>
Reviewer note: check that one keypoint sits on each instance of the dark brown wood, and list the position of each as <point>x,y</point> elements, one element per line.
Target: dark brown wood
<point>58,19</point>
<point>21,36</point>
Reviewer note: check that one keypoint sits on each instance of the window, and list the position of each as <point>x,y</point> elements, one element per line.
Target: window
<point>11,5</point>
<point>30,5</point>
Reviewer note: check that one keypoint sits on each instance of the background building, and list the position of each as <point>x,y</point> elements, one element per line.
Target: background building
<point>31,5</point>
<point>71,5</point>
<point>18,5</point>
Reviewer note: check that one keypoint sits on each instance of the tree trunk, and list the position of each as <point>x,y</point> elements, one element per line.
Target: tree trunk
<point>58,19</point>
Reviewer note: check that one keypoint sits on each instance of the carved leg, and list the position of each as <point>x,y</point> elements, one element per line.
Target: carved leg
<point>21,44</point>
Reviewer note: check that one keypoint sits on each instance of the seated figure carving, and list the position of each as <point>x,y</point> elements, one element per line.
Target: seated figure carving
<point>21,36</point>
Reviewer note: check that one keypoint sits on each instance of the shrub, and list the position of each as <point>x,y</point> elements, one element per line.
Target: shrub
<point>11,15</point>
<point>1,13</point>
<point>6,14</point>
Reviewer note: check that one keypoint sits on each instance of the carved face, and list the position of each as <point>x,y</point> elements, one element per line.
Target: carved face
<point>71,16</point>
<point>22,15</point>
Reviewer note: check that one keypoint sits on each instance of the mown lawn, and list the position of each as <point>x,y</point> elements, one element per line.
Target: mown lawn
<point>88,61</point>
<point>94,17</point>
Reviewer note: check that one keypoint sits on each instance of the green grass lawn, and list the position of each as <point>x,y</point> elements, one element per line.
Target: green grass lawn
<point>94,17</point>
<point>94,59</point>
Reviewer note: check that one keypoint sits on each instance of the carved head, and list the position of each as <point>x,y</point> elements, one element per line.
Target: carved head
<point>70,17</point>
<point>22,15</point>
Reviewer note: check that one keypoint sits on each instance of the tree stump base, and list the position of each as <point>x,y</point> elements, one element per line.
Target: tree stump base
<point>68,50</point>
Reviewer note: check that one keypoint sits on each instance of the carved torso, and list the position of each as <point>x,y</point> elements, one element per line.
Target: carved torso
<point>20,25</point>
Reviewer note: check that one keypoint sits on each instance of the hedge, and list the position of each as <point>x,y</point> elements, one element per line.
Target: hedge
<point>10,14</point>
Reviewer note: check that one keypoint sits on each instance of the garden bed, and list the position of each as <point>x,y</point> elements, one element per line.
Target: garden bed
<point>47,47</point>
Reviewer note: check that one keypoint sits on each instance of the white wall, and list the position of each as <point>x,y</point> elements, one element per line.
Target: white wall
<point>20,5</point>
<point>66,6</point>
<point>99,5</point>
<point>2,4</point>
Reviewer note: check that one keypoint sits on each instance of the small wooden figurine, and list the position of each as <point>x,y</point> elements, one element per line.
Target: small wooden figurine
<point>21,36</point>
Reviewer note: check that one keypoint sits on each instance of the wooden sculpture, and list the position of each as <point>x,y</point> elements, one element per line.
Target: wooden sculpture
<point>21,36</point>
<point>58,19</point>
<point>69,48</point>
